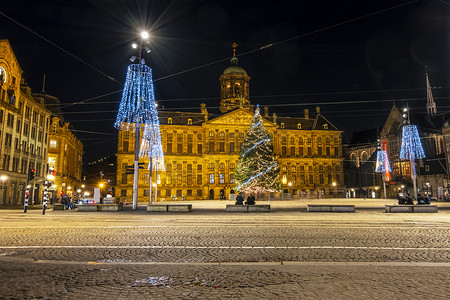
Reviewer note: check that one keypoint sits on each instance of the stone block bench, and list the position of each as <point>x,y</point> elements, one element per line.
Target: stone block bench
<point>87,207</point>
<point>169,207</point>
<point>109,207</point>
<point>248,208</point>
<point>58,206</point>
<point>330,208</point>
<point>425,208</point>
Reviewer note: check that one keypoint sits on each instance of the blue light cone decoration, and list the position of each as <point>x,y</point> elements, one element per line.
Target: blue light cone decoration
<point>382,162</point>
<point>151,146</point>
<point>137,98</point>
<point>411,146</point>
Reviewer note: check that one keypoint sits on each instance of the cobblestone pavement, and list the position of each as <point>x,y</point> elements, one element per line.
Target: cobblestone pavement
<point>211,254</point>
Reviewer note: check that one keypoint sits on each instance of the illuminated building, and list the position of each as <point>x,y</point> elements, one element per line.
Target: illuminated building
<point>65,154</point>
<point>24,124</point>
<point>201,151</point>
<point>431,171</point>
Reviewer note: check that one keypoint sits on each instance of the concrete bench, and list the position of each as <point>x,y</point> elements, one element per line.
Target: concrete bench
<point>330,208</point>
<point>411,208</point>
<point>109,207</point>
<point>58,206</point>
<point>87,207</point>
<point>248,208</point>
<point>169,207</point>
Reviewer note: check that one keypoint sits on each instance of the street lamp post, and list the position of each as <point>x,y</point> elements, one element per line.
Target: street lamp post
<point>137,135</point>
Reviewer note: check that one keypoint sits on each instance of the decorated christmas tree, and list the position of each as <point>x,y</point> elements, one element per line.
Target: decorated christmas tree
<point>257,169</point>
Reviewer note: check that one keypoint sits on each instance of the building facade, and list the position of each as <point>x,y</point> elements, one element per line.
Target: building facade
<point>24,133</point>
<point>432,172</point>
<point>201,152</point>
<point>65,157</point>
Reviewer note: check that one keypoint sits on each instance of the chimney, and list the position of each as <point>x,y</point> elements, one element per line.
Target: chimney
<point>306,113</point>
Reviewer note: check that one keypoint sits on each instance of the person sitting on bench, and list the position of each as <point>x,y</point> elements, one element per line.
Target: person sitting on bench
<point>250,200</point>
<point>420,199</point>
<point>401,199</point>
<point>409,199</point>
<point>239,199</point>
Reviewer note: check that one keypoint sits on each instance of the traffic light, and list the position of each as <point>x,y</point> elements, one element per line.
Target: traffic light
<point>31,174</point>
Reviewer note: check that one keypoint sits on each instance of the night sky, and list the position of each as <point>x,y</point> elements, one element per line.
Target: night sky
<point>340,55</point>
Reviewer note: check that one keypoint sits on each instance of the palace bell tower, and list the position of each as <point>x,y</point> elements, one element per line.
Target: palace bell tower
<point>234,86</point>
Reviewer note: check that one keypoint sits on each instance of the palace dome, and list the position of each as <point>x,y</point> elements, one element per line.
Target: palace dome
<point>234,68</point>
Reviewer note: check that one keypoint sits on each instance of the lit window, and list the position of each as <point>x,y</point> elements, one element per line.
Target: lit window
<point>325,126</point>
<point>211,178</point>
<point>222,178</point>
<point>189,121</point>
<point>284,179</point>
<point>299,126</point>
<point>53,144</point>
<point>211,133</point>
<point>169,121</point>
<point>282,125</point>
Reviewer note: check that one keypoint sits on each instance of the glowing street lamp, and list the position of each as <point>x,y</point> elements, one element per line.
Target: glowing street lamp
<point>3,178</point>
<point>145,35</point>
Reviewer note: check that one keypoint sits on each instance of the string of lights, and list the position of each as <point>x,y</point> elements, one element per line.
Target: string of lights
<point>257,169</point>
<point>382,164</point>
<point>411,147</point>
<point>136,104</point>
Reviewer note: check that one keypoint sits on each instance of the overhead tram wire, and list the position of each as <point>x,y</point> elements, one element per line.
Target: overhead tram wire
<point>282,105</point>
<point>60,48</point>
<point>204,65</point>
<point>326,28</point>
<point>253,97</point>
<point>290,39</point>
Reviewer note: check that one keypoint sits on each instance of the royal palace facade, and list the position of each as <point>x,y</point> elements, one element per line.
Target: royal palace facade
<point>201,151</point>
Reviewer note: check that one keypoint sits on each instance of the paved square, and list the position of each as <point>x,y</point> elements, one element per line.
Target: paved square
<point>211,254</point>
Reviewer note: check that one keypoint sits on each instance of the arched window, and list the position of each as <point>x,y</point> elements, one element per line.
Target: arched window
<point>282,125</point>
<point>364,157</point>
<point>189,121</point>
<point>325,126</point>
<point>299,126</point>
<point>353,159</point>
<point>169,121</point>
